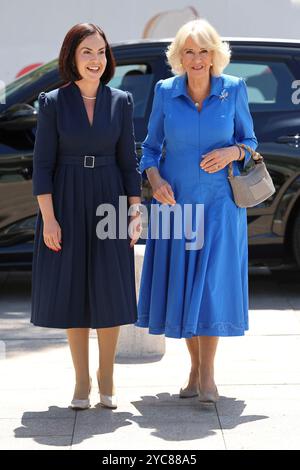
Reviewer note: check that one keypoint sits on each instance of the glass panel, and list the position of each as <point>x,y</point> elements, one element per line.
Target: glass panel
<point>138,80</point>
<point>269,84</point>
<point>30,77</point>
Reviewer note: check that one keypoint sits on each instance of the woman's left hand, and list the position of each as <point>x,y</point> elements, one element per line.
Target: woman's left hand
<point>135,228</point>
<point>217,159</point>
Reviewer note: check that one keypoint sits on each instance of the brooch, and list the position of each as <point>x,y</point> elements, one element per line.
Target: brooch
<point>223,95</point>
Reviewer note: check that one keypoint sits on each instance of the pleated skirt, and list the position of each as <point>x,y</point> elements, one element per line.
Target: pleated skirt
<point>90,283</point>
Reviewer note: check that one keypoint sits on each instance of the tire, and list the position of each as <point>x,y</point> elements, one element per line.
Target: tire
<point>296,239</point>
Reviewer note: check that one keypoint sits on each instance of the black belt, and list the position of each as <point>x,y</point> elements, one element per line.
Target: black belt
<point>87,161</point>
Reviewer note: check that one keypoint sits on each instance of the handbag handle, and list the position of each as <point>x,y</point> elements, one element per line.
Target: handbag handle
<point>257,157</point>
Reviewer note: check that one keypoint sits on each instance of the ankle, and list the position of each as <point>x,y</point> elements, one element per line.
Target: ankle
<point>207,383</point>
<point>106,383</point>
<point>82,381</point>
<point>207,376</point>
<point>82,390</point>
<point>194,370</point>
<point>107,388</point>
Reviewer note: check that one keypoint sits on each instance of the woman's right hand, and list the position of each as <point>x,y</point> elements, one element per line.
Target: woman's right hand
<point>161,189</point>
<point>52,234</point>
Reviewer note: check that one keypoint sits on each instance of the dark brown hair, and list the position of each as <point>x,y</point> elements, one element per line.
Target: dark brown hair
<point>66,61</point>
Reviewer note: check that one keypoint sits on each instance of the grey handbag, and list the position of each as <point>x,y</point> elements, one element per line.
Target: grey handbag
<point>253,187</point>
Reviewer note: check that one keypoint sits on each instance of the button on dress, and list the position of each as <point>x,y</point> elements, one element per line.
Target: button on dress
<point>90,282</point>
<point>204,291</point>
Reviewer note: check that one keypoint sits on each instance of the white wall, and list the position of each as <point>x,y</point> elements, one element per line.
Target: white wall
<point>31,31</point>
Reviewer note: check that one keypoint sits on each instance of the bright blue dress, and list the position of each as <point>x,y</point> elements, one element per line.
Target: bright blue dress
<point>204,291</point>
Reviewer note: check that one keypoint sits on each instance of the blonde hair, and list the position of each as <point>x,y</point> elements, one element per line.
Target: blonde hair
<point>205,35</point>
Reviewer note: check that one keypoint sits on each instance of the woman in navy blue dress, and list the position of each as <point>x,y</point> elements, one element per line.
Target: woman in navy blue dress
<point>84,157</point>
<point>197,290</point>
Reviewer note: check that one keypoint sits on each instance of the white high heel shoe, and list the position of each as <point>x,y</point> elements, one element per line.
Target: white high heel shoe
<point>78,404</point>
<point>107,401</point>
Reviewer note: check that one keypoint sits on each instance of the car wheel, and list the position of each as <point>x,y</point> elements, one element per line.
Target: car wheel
<point>296,239</point>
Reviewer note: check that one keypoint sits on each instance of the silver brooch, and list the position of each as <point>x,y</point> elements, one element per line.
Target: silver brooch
<point>223,95</point>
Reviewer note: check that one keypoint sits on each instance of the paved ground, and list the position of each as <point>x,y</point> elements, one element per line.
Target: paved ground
<point>258,377</point>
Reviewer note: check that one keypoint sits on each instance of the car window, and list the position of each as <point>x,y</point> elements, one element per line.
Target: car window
<point>269,84</point>
<point>138,80</point>
<point>28,79</point>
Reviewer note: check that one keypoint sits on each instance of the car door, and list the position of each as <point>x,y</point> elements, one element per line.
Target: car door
<point>18,208</point>
<point>271,74</point>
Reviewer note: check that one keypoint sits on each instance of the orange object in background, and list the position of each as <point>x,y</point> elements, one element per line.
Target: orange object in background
<point>27,69</point>
<point>166,23</point>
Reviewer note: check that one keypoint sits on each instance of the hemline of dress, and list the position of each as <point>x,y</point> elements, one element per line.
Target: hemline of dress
<point>39,324</point>
<point>220,329</point>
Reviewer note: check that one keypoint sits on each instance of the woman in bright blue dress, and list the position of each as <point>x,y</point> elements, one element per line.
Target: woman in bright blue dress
<point>198,118</point>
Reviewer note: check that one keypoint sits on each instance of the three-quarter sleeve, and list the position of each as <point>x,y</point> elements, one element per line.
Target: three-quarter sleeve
<point>45,147</point>
<point>244,131</point>
<point>152,145</point>
<point>126,153</point>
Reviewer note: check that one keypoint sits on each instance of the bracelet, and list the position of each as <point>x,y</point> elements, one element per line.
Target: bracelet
<point>240,154</point>
<point>135,209</point>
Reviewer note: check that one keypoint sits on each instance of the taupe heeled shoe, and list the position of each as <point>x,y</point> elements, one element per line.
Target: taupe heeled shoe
<point>107,401</point>
<point>78,404</point>
<point>208,397</point>
<point>188,392</point>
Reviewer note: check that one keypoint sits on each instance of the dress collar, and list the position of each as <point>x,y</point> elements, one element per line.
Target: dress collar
<point>78,91</point>
<point>180,86</point>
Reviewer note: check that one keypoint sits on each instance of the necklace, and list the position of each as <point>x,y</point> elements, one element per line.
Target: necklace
<point>89,97</point>
<point>196,102</point>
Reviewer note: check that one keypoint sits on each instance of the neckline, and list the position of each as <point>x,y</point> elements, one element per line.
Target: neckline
<point>180,86</point>
<point>83,108</point>
<point>212,91</point>
<point>187,88</point>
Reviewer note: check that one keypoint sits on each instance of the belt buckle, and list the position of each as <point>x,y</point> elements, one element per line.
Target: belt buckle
<point>86,165</point>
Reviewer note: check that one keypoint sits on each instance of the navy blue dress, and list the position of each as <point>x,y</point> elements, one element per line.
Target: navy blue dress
<point>89,283</point>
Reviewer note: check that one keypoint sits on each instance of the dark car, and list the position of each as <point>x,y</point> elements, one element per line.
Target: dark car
<point>271,69</point>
